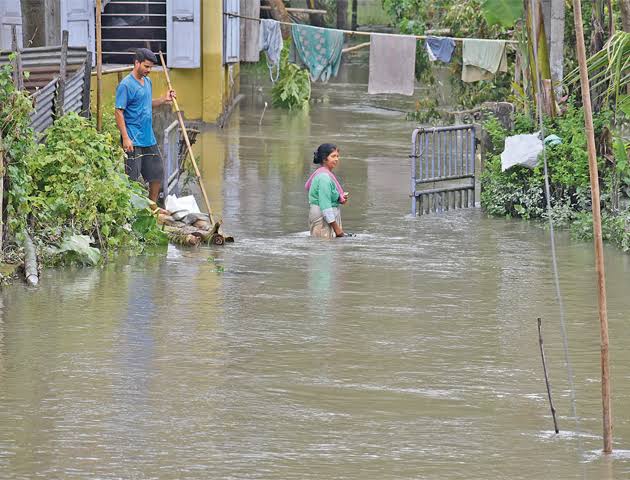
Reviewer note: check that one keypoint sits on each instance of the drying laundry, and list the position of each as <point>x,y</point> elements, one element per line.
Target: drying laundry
<point>483,59</point>
<point>319,49</point>
<point>440,48</point>
<point>392,64</point>
<point>271,42</point>
<point>250,31</point>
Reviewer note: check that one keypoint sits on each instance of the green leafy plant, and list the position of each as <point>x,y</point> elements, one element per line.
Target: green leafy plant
<point>502,12</point>
<point>426,110</point>
<point>293,88</point>
<point>70,192</point>
<point>519,191</point>
<point>77,249</point>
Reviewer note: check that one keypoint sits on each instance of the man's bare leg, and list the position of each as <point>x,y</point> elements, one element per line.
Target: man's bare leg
<point>154,190</point>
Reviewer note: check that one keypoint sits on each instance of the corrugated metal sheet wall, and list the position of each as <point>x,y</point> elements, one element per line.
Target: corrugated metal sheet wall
<point>43,65</point>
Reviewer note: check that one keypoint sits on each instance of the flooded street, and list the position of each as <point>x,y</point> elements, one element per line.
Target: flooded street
<point>408,352</point>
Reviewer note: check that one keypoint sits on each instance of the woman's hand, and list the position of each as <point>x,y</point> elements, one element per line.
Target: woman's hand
<point>337,229</point>
<point>346,195</point>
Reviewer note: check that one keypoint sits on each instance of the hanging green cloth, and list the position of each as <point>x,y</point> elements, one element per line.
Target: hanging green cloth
<point>319,50</point>
<point>483,59</point>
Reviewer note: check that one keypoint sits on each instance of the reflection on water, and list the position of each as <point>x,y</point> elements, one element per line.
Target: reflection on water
<point>409,351</point>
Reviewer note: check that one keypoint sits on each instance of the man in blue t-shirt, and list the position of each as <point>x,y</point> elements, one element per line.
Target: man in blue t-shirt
<point>134,118</point>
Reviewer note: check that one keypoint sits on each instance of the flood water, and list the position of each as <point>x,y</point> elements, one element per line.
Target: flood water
<point>407,352</point>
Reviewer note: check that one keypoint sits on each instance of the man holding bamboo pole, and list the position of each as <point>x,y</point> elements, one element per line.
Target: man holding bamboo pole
<point>134,118</point>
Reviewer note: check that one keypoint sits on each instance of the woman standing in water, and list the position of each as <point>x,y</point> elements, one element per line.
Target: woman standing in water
<point>325,194</point>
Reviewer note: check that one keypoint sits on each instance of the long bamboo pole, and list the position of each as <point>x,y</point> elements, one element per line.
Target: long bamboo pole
<point>597,224</point>
<point>99,68</point>
<point>187,140</point>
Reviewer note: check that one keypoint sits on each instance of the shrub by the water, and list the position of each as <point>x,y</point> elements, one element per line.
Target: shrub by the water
<point>520,191</point>
<point>69,193</point>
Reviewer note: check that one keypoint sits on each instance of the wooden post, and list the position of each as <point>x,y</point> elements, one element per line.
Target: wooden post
<point>342,14</point>
<point>597,224</point>
<point>18,74</point>
<point>355,7</point>
<point>61,84</point>
<point>279,12</point>
<point>99,68</point>
<point>317,19</point>
<point>544,364</point>
<point>30,261</point>
<point>85,102</point>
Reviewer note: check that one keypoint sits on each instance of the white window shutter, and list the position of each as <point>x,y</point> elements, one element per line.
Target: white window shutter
<point>231,32</point>
<point>183,33</point>
<point>10,14</point>
<point>77,16</point>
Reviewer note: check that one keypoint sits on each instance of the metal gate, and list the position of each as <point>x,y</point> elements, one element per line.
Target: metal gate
<point>172,165</point>
<point>442,169</point>
<point>174,156</point>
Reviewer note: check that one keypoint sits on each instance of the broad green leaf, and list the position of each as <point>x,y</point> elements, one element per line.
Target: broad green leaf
<point>140,202</point>
<point>502,12</point>
<point>80,245</point>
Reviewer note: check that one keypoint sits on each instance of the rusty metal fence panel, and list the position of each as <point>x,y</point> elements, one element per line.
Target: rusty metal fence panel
<point>43,99</point>
<point>43,63</point>
<point>442,168</point>
<point>45,84</point>
<point>73,97</point>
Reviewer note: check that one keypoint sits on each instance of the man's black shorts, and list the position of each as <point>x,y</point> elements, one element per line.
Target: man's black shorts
<point>146,161</point>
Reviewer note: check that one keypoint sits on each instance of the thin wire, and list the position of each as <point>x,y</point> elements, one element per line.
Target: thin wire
<point>552,238</point>
<point>353,32</point>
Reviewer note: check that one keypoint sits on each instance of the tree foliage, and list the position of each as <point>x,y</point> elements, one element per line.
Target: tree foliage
<point>293,88</point>
<point>502,12</point>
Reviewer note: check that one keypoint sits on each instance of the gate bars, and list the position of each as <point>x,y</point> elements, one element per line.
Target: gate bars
<point>442,168</point>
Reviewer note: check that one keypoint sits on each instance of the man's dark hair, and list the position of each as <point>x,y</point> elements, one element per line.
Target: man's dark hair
<point>143,54</point>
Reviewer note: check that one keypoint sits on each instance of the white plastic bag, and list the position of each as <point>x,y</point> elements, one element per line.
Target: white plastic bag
<point>521,150</point>
<point>174,204</point>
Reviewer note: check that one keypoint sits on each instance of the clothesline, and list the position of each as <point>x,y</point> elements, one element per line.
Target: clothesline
<point>352,32</point>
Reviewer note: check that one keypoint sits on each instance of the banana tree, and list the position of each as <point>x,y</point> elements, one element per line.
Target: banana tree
<point>538,54</point>
<point>506,13</point>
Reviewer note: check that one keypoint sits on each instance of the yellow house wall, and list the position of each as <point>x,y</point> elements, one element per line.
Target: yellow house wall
<point>202,93</point>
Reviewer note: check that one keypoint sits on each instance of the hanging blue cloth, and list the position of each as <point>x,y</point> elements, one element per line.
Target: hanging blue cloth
<point>319,49</point>
<point>270,39</point>
<point>440,48</point>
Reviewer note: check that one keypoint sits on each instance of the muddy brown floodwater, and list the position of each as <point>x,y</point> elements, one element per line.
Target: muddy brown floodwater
<point>407,352</point>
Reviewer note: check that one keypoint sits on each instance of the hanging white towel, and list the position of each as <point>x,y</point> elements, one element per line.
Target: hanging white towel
<point>392,64</point>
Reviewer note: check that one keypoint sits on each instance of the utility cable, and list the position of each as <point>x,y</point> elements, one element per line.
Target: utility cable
<point>552,238</point>
<point>355,32</point>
